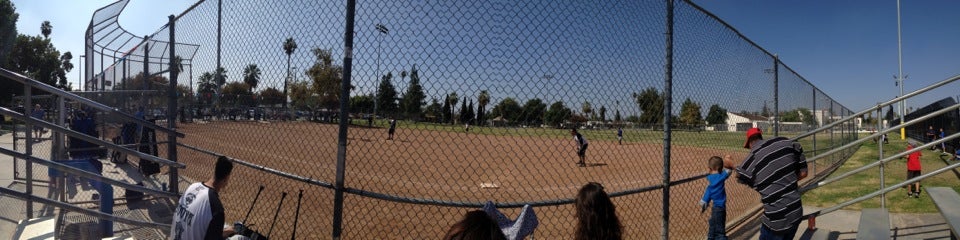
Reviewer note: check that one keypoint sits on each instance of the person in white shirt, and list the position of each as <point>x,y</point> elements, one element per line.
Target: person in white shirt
<point>199,213</point>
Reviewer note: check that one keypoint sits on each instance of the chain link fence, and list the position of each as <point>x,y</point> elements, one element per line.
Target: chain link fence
<point>453,104</point>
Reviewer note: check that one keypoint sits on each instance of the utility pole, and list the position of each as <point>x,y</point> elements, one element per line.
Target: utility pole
<point>903,132</point>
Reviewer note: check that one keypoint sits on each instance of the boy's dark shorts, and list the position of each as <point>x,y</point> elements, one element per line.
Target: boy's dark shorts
<point>912,174</point>
<point>583,150</point>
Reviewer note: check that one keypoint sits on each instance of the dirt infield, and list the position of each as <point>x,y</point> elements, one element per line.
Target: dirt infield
<point>446,166</point>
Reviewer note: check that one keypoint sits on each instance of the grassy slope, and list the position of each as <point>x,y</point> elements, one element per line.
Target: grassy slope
<point>894,172</point>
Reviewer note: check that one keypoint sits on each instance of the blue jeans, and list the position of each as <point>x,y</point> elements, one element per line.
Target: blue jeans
<point>769,234</point>
<point>718,221</point>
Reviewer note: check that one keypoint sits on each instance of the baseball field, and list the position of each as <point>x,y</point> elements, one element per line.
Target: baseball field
<point>445,164</point>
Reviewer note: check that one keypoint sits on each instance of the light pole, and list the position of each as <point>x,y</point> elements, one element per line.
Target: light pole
<point>383,30</point>
<point>79,69</point>
<point>900,71</point>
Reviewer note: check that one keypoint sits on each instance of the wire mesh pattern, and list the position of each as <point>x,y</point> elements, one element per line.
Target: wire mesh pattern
<point>453,104</point>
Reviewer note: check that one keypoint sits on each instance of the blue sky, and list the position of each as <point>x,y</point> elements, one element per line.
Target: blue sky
<point>849,48</point>
<point>846,48</point>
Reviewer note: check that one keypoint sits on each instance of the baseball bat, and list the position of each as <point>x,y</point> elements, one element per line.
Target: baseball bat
<point>252,204</point>
<point>275,214</point>
<point>296,217</point>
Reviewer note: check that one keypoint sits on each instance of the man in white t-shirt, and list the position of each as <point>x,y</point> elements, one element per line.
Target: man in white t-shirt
<point>199,213</point>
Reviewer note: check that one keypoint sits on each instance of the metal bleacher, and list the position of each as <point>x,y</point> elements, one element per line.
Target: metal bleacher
<point>89,202</point>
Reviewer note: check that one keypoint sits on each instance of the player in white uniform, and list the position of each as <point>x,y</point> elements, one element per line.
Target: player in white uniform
<point>199,213</point>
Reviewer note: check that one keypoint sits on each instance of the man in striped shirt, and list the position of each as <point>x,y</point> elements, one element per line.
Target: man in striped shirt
<point>773,169</point>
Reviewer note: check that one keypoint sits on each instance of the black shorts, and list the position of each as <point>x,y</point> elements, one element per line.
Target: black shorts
<point>391,131</point>
<point>583,150</point>
<point>912,174</point>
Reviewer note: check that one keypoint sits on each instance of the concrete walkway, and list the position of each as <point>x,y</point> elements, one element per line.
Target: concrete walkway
<point>842,224</point>
<point>7,226</point>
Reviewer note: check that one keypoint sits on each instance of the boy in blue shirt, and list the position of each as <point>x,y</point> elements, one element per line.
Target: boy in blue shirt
<point>720,170</point>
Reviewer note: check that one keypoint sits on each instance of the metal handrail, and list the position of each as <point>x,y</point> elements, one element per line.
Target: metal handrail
<point>69,207</point>
<point>59,92</point>
<point>882,191</point>
<point>882,161</point>
<point>879,106</point>
<point>86,174</point>
<point>88,138</point>
<point>886,130</point>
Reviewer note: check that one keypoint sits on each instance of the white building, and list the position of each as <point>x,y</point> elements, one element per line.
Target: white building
<point>742,122</point>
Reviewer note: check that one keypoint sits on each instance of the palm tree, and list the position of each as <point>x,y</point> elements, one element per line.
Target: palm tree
<point>289,46</point>
<point>251,76</point>
<point>46,29</point>
<point>482,100</point>
<point>177,64</point>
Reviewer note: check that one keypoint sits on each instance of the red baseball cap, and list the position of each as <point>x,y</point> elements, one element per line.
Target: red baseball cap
<point>750,133</point>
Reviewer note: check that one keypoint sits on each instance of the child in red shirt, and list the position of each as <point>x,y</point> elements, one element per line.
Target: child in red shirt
<point>913,170</point>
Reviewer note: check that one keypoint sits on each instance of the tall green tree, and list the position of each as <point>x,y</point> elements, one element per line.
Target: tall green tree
<point>890,114</point>
<point>414,98</point>
<point>361,103</point>
<point>790,116</point>
<point>326,77</point>
<point>464,114</point>
<point>451,102</point>
<point>482,100</point>
<point>807,116</point>
<point>650,102</point>
<point>603,113</point>
<point>35,57</point>
<point>220,77</point>
<point>271,96</point>
<point>508,108</point>
<point>301,95</point>
<point>8,32</point>
<point>251,76</point>
<point>387,100</point>
<point>177,64</point>
<point>433,111</point>
<point>690,113</point>
<point>471,115</point>
<point>766,110</point>
<point>445,110</point>
<point>206,88</point>
<point>533,111</point>
<point>557,114</point>
<point>238,94</point>
<point>587,108</point>
<point>46,29</point>
<point>65,67</point>
<point>716,115</point>
<point>616,116</point>
<point>289,46</point>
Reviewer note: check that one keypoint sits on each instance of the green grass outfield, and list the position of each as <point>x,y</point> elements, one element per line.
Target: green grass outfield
<point>731,141</point>
<point>894,172</point>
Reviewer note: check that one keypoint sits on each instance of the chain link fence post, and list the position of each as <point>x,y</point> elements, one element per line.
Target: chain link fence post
<point>174,68</point>
<point>28,145</point>
<point>667,115</point>
<point>776,95</point>
<point>344,119</point>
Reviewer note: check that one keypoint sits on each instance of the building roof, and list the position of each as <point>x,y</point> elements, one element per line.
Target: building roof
<point>751,117</point>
